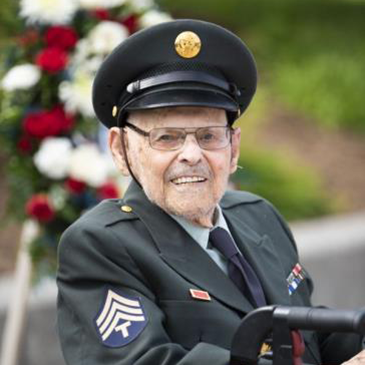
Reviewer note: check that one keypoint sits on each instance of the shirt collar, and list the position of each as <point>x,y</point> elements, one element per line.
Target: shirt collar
<point>201,234</point>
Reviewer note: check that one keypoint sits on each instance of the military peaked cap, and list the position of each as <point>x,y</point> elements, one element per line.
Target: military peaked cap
<point>177,63</point>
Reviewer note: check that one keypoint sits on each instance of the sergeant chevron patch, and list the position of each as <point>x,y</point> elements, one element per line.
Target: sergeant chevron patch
<point>120,320</point>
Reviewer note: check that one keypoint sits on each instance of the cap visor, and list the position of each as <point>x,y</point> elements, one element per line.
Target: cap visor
<point>189,96</point>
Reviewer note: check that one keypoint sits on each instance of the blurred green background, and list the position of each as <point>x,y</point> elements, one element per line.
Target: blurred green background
<point>311,61</point>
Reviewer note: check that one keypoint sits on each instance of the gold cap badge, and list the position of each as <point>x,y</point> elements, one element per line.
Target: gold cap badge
<point>188,44</point>
<point>126,208</point>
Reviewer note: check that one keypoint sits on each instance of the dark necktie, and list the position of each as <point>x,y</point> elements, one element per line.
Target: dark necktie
<point>239,270</point>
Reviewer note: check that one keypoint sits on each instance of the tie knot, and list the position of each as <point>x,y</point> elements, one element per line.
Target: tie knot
<point>222,241</point>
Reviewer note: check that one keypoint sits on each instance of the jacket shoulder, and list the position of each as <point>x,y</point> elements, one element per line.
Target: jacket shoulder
<point>90,229</point>
<point>233,198</point>
<point>108,212</point>
<point>104,214</point>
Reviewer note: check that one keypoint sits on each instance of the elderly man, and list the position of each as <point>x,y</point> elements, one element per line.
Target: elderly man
<point>165,275</point>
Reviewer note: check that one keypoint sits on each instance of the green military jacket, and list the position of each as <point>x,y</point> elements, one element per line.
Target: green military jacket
<point>126,270</point>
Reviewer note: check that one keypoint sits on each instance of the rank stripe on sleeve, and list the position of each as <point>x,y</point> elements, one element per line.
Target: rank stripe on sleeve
<point>120,320</point>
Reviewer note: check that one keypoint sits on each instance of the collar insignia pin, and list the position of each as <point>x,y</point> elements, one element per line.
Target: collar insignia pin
<point>114,111</point>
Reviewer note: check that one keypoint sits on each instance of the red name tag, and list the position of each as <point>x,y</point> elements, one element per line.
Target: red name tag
<point>200,294</point>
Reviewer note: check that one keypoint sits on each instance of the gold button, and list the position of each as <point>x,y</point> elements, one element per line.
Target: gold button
<point>126,208</point>
<point>115,111</point>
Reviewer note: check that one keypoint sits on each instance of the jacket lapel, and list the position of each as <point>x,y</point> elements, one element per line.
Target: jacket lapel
<point>183,254</point>
<point>261,254</point>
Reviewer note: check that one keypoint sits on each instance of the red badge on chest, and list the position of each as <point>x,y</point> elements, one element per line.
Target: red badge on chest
<point>200,294</point>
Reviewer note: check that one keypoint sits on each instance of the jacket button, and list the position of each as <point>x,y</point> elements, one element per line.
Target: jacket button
<point>126,208</point>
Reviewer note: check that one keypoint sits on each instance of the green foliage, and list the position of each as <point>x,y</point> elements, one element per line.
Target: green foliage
<point>295,190</point>
<point>9,21</point>
<point>326,87</point>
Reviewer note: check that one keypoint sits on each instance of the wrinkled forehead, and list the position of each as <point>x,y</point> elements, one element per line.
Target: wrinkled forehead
<point>181,117</point>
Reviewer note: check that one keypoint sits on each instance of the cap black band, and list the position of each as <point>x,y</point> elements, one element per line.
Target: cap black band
<point>182,76</point>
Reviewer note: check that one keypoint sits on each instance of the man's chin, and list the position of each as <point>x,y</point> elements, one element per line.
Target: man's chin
<point>191,210</point>
<point>193,205</point>
<point>187,192</point>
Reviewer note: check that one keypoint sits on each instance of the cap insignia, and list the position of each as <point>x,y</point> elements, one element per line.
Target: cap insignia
<point>188,44</point>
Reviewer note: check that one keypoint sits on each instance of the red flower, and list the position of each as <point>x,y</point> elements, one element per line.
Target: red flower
<point>101,14</point>
<point>24,144</point>
<point>131,23</point>
<point>108,191</point>
<point>61,37</point>
<point>39,207</point>
<point>52,59</point>
<point>75,186</point>
<point>47,123</point>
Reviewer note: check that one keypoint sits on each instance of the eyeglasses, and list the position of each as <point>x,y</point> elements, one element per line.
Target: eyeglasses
<point>170,139</point>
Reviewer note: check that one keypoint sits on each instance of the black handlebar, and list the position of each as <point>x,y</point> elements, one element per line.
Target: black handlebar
<point>324,320</point>
<point>258,324</point>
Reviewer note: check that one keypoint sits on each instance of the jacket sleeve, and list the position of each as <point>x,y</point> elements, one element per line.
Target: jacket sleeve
<point>85,275</point>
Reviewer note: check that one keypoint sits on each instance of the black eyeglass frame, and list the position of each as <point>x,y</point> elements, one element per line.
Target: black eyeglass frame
<point>147,134</point>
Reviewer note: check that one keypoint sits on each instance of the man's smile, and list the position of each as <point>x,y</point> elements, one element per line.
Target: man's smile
<point>188,180</point>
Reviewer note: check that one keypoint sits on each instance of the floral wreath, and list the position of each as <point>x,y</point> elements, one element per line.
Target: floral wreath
<point>57,164</point>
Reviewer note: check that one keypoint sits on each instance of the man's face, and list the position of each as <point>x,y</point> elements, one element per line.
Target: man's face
<point>187,182</point>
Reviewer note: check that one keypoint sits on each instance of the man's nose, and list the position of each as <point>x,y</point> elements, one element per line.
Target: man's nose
<point>191,152</point>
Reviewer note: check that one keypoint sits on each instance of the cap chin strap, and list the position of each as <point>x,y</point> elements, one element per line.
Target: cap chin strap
<point>124,150</point>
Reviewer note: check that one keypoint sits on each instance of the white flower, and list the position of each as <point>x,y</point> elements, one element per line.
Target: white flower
<point>104,37</point>
<point>48,11</point>
<point>81,52</point>
<point>153,17</point>
<point>53,157</point>
<point>76,94</point>
<point>89,165</point>
<point>95,4</point>
<point>21,77</point>
<point>140,5</point>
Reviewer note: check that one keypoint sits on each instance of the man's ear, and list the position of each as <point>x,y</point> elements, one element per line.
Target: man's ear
<point>236,143</point>
<point>115,146</point>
